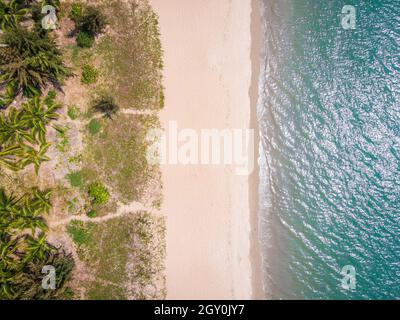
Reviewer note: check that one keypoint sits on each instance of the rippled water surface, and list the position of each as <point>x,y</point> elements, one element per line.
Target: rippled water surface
<point>330,120</point>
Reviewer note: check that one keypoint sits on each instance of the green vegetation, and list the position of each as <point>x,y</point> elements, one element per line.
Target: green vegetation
<point>91,21</point>
<point>80,233</point>
<point>73,112</point>
<point>24,254</point>
<point>75,159</point>
<point>133,60</point>
<point>98,193</point>
<point>94,126</point>
<point>84,40</point>
<point>133,243</point>
<point>63,141</point>
<point>75,179</point>
<point>11,13</point>
<point>29,63</point>
<point>106,105</point>
<point>23,134</point>
<point>89,74</point>
<point>92,214</point>
<point>111,169</point>
<point>118,155</point>
<point>76,12</point>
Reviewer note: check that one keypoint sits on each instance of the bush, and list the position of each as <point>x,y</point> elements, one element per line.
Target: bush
<point>94,126</point>
<point>92,214</point>
<point>89,74</point>
<point>98,193</point>
<point>84,40</point>
<point>92,21</point>
<point>106,105</point>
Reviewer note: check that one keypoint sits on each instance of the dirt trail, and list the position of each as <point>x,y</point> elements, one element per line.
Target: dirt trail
<point>122,211</point>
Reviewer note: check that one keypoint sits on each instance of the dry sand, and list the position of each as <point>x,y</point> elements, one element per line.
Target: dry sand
<point>211,226</point>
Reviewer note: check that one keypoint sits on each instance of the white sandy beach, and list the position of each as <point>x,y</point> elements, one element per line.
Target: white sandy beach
<point>208,73</point>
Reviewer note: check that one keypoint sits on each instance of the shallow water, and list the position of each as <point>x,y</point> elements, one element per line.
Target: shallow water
<point>329,113</point>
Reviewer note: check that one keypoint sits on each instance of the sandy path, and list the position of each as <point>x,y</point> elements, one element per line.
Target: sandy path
<point>207,79</point>
<point>122,210</point>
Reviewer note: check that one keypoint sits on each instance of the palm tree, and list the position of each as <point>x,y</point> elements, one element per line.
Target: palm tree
<point>8,204</point>
<point>28,218</point>
<point>8,97</point>
<point>37,249</point>
<point>8,247</point>
<point>7,282</point>
<point>32,156</point>
<point>106,105</point>
<point>11,13</point>
<point>41,200</point>
<point>8,157</point>
<point>37,115</point>
<point>33,62</point>
<point>13,128</point>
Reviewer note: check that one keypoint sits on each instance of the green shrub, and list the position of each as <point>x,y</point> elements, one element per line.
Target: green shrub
<point>84,40</point>
<point>94,126</point>
<point>92,21</point>
<point>73,112</point>
<point>98,193</point>
<point>92,214</point>
<point>75,179</point>
<point>89,74</point>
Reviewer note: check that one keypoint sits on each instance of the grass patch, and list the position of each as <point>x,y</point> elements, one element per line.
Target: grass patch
<point>89,74</point>
<point>80,232</point>
<point>75,179</point>
<point>94,126</point>
<point>119,155</point>
<point>133,60</point>
<point>135,246</point>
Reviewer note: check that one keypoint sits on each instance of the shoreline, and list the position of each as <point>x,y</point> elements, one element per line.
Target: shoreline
<point>212,214</point>
<point>254,179</point>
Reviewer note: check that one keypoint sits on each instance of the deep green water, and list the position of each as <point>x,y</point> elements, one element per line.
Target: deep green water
<point>330,121</point>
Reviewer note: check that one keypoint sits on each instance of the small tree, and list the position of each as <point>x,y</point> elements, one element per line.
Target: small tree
<point>31,63</point>
<point>91,21</point>
<point>106,105</point>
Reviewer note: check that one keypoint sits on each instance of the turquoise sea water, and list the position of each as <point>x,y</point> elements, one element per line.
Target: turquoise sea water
<point>329,112</point>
